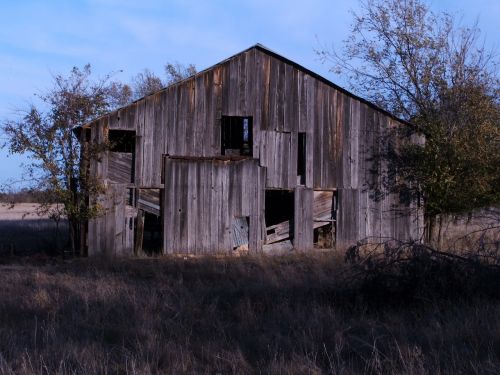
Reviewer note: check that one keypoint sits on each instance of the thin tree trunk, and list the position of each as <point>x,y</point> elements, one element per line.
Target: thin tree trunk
<point>82,236</point>
<point>428,229</point>
<point>440,231</point>
<point>71,233</point>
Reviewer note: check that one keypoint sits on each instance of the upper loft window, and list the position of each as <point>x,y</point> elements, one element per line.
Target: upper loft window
<point>121,140</point>
<point>236,135</point>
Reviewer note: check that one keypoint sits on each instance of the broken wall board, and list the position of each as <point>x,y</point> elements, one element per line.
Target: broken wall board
<point>121,167</point>
<point>278,232</point>
<point>148,200</point>
<point>323,206</point>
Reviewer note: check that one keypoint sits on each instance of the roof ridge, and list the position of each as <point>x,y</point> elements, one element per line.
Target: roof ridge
<point>276,55</point>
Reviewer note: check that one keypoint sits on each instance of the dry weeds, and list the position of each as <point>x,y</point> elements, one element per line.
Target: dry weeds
<point>289,315</point>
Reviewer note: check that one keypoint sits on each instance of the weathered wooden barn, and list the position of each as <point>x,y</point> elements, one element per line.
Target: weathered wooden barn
<point>254,153</point>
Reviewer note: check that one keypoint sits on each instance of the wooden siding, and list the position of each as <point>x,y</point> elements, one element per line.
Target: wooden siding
<point>303,220</point>
<point>112,233</point>
<point>148,200</point>
<point>203,198</point>
<point>183,120</point>
<point>120,167</point>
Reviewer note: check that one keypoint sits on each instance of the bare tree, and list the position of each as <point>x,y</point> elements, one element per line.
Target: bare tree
<point>177,72</point>
<point>147,82</point>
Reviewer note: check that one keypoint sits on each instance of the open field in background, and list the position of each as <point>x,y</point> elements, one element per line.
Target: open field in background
<point>463,231</point>
<point>285,314</point>
<point>23,232</point>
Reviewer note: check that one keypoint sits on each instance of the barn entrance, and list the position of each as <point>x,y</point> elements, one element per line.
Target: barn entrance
<point>324,219</point>
<point>149,226</point>
<point>279,216</point>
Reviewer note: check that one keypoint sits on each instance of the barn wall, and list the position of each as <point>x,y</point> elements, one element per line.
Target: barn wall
<point>202,199</point>
<point>342,135</point>
<point>112,232</point>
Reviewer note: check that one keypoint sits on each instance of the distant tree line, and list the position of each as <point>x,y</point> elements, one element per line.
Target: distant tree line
<point>25,195</point>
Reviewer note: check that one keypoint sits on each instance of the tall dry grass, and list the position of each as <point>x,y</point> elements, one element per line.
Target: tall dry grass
<point>288,315</point>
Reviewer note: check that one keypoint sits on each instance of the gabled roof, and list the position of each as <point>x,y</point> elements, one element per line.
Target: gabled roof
<point>275,55</point>
<point>268,51</point>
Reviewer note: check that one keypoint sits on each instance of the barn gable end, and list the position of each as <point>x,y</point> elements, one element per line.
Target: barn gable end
<point>222,149</point>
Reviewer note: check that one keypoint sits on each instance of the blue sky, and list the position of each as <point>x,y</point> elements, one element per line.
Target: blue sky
<point>40,38</point>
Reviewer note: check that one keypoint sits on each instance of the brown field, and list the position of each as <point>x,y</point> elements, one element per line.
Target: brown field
<point>289,315</point>
<point>20,211</point>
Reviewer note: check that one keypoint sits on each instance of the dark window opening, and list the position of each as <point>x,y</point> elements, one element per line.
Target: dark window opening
<point>236,135</point>
<point>121,140</point>
<point>121,162</point>
<point>301,159</point>
<point>279,215</point>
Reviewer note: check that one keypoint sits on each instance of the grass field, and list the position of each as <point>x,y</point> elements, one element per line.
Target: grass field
<point>289,315</point>
<point>24,232</point>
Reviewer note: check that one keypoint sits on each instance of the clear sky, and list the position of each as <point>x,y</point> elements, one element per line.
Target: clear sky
<point>42,37</point>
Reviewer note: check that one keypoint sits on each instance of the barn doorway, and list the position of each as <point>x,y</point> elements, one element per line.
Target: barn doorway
<point>324,219</point>
<point>279,215</point>
<point>152,237</point>
<point>149,226</point>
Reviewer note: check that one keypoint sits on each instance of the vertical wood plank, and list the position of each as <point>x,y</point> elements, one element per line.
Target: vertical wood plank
<point>303,219</point>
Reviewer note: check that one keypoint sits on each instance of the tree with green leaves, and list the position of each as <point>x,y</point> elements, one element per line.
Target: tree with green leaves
<point>45,134</point>
<point>423,67</point>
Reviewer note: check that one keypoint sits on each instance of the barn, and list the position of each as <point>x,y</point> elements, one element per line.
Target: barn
<point>255,153</point>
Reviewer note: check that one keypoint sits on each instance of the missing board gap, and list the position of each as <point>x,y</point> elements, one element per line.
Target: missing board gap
<point>301,159</point>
